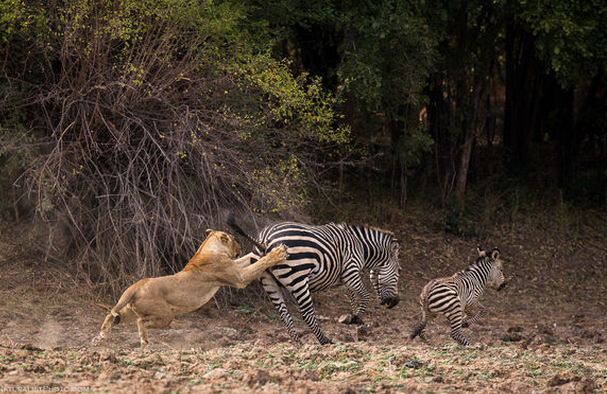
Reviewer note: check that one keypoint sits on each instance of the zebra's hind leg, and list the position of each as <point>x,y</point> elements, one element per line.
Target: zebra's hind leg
<point>479,315</point>
<point>424,337</point>
<point>306,307</point>
<point>275,294</point>
<point>455,318</point>
<point>420,329</point>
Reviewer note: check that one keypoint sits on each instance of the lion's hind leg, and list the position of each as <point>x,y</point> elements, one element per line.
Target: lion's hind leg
<point>161,316</point>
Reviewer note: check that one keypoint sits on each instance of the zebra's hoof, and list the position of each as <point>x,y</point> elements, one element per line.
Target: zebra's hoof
<point>465,325</point>
<point>350,319</point>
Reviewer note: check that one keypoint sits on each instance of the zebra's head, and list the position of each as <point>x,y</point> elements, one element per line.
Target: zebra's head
<point>496,277</point>
<point>384,277</point>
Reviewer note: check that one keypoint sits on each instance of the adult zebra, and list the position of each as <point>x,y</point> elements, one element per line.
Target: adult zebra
<point>459,294</point>
<point>324,256</point>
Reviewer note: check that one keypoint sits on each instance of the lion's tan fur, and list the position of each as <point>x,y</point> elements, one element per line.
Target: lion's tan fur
<point>156,301</point>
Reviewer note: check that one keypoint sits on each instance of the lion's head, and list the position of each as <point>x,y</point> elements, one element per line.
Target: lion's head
<point>218,242</point>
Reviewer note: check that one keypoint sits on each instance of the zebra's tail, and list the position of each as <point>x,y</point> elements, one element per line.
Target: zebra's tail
<point>232,223</point>
<point>422,324</point>
<point>418,329</point>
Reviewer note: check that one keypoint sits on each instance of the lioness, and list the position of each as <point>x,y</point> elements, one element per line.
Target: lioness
<point>156,301</point>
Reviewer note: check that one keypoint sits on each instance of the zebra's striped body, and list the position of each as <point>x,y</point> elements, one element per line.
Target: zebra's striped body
<point>324,256</point>
<point>459,294</point>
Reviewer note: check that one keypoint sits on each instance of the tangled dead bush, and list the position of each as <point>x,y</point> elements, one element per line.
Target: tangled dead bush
<point>154,119</point>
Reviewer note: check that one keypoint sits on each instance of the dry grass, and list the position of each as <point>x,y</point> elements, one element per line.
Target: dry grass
<point>354,367</point>
<point>545,333</point>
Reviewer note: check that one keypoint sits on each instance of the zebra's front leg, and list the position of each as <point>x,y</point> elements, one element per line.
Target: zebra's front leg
<point>359,299</point>
<point>479,315</point>
<point>455,318</point>
<point>354,316</point>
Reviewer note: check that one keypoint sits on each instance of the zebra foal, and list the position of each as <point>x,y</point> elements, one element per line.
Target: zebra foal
<point>457,295</point>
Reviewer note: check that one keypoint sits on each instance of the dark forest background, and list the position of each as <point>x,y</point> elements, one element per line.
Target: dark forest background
<point>129,127</point>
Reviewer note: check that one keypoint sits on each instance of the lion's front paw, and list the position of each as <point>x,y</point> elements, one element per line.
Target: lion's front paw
<point>279,252</point>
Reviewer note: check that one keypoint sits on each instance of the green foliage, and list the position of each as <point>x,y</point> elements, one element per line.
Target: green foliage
<point>245,308</point>
<point>292,101</point>
<point>20,18</point>
<point>570,36</point>
<point>414,146</point>
<point>387,54</point>
<point>459,222</point>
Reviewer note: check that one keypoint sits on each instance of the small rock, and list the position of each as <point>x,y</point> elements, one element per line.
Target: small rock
<point>585,386</point>
<point>107,376</point>
<point>109,357</point>
<point>363,332</point>
<point>163,375</point>
<point>215,373</point>
<point>519,387</point>
<point>345,337</point>
<point>261,378</point>
<point>558,379</point>
<point>38,368</point>
<point>512,337</point>
<point>30,347</point>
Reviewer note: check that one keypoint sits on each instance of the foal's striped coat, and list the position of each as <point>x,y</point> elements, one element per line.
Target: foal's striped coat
<point>458,294</point>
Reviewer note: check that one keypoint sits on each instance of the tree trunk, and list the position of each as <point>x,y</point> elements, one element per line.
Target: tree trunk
<point>523,97</point>
<point>438,124</point>
<point>472,123</point>
<point>403,185</point>
<point>464,165</point>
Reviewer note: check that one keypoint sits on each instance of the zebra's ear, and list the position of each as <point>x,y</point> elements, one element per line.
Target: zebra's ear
<point>481,251</point>
<point>395,244</point>
<point>495,254</point>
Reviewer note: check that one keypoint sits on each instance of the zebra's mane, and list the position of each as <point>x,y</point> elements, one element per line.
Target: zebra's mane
<point>475,264</point>
<point>353,227</point>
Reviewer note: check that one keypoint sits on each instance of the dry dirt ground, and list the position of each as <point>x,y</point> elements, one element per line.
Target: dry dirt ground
<point>545,333</point>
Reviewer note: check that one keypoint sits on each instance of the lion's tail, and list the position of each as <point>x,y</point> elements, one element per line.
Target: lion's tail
<point>126,297</point>
<point>232,223</point>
